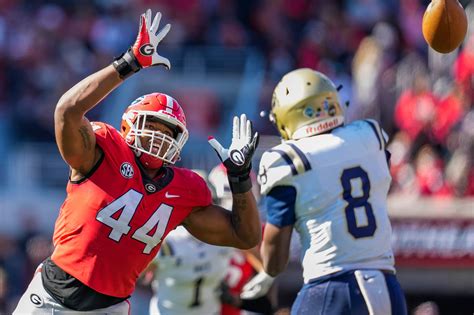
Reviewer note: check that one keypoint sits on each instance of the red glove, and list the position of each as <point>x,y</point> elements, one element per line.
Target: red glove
<point>145,47</point>
<point>143,53</point>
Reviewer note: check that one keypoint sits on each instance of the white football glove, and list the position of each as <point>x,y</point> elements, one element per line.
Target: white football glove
<point>257,287</point>
<point>237,159</point>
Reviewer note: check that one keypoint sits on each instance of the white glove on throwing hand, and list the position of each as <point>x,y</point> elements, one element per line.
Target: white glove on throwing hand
<point>257,287</point>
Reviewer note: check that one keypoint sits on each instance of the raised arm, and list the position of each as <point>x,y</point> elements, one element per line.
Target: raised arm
<point>241,227</point>
<point>74,135</point>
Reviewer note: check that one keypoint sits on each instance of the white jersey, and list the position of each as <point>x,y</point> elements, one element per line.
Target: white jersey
<point>341,180</point>
<point>188,276</point>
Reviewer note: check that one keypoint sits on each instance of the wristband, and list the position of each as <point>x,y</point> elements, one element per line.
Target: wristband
<point>126,64</point>
<point>240,184</point>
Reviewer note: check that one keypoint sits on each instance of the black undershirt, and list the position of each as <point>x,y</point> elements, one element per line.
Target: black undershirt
<point>70,292</point>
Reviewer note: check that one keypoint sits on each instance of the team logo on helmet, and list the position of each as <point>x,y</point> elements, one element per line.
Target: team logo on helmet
<point>308,112</point>
<point>237,157</point>
<point>126,169</point>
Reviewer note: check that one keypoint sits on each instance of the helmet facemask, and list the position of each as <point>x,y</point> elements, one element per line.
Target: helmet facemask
<point>153,142</point>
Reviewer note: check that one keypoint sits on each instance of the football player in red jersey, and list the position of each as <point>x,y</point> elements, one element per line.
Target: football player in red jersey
<point>124,195</point>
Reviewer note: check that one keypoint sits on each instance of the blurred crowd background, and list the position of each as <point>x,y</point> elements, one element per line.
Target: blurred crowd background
<point>227,57</point>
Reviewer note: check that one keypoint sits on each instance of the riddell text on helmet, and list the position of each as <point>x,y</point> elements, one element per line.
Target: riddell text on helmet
<point>324,126</point>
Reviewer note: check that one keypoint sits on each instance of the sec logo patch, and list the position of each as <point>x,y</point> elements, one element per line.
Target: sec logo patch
<point>126,169</point>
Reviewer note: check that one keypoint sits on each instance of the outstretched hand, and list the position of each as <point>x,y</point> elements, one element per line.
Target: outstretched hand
<point>146,44</point>
<point>237,159</point>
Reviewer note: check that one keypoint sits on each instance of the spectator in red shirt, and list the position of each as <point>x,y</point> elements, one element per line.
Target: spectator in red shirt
<point>415,107</point>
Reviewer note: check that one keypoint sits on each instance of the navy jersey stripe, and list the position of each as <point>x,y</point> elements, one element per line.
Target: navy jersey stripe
<point>388,155</point>
<point>372,125</point>
<point>287,160</point>
<point>307,165</point>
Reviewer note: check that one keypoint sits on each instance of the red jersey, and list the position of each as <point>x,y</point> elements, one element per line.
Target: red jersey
<point>112,222</point>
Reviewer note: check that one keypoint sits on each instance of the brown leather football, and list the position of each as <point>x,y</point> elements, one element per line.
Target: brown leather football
<point>444,25</point>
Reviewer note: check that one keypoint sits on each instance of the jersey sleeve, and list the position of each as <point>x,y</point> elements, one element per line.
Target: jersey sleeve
<point>280,204</point>
<point>100,129</point>
<point>380,135</point>
<point>276,178</point>
<point>107,137</point>
<point>201,193</point>
<point>276,169</point>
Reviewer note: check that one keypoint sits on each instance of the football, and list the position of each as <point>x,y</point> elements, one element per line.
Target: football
<point>444,25</point>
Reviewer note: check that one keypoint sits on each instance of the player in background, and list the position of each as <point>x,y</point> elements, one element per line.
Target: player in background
<point>187,275</point>
<point>191,277</point>
<point>124,195</point>
<point>329,181</point>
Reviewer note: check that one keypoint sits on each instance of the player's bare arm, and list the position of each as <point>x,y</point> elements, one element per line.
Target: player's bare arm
<point>275,248</point>
<point>241,227</point>
<point>238,228</point>
<point>74,135</point>
<point>254,258</point>
<point>275,254</point>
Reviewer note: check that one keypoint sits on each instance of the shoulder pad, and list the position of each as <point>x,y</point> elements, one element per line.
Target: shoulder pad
<point>99,128</point>
<point>104,130</point>
<point>195,184</point>
<point>280,164</point>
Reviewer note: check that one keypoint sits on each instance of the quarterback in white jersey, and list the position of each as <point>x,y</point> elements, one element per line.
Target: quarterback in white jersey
<point>188,275</point>
<point>329,181</point>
